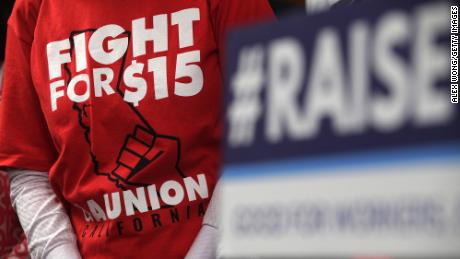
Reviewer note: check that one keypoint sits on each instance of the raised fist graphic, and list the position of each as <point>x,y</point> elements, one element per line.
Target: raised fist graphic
<point>140,149</point>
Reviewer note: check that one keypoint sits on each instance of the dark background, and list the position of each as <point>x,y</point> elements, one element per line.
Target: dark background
<point>282,7</point>
<point>279,6</point>
<point>5,9</point>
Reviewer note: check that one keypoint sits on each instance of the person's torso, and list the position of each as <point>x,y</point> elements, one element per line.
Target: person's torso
<point>131,93</point>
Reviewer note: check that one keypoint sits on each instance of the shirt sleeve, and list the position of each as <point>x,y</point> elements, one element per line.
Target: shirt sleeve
<point>45,222</point>
<point>205,245</point>
<point>229,14</point>
<point>25,140</point>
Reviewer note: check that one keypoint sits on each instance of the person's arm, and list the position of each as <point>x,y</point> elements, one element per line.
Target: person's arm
<point>225,15</point>
<point>25,142</point>
<point>205,245</point>
<point>43,218</point>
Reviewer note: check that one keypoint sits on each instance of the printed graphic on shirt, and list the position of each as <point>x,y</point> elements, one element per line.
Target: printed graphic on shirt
<point>133,211</point>
<point>110,46</point>
<point>108,73</point>
<point>141,147</point>
<point>111,43</point>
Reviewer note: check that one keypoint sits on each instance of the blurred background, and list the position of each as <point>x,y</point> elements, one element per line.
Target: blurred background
<point>343,133</point>
<point>5,8</point>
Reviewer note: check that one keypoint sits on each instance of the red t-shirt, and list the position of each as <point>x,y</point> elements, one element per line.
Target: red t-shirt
<point>120,102</point>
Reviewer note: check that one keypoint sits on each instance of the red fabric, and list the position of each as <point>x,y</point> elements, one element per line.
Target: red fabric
<point>107,151</point>
<point>13,243</point>
<point>12,240</point>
